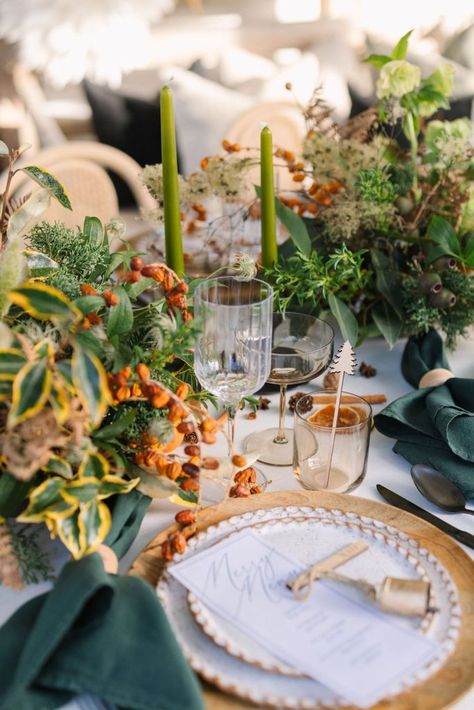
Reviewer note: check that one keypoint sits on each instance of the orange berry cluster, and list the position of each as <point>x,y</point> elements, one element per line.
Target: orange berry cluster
<point>201,216</point>
<point>175,289</point>
<point>230,147</point>
<point>110,299</point>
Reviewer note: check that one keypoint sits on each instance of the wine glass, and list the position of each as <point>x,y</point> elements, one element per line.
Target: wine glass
<point>302,348</point>
<point>232,355</point>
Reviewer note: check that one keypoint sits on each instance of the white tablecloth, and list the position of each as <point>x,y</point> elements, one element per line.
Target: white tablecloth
<point>383,465</point>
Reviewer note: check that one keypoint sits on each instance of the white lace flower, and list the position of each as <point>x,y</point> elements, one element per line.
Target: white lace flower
<point>243,266</point>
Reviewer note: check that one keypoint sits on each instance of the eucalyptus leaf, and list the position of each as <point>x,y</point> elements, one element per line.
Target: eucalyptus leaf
<point>346,320</point>
<point>388,322</point>
<point>442,233</point>
<point>387,279</point>
<point>293,223</point>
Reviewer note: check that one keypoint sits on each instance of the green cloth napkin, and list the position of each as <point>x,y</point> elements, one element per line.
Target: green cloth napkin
<point>95,633</point>
<point>433,425</point>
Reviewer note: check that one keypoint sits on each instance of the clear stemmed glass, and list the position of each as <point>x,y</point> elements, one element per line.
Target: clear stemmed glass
<point>232,355</point>
<point>302,348</point>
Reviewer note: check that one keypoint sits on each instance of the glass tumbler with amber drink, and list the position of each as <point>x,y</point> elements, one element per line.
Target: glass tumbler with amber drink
<point>314,416</point>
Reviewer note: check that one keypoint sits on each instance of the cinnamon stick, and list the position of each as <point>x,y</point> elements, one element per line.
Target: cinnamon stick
<point>347,398</point>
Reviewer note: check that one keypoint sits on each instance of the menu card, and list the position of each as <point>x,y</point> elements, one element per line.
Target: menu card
<point>347,645</point>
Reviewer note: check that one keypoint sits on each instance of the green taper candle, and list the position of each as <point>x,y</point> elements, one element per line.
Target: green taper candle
<point>173,238</point>
<point>269,242</point>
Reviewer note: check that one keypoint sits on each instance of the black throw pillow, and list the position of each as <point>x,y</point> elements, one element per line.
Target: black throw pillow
<point>130,124</point>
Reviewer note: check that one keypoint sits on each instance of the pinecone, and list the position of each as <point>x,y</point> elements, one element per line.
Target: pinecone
<point>367,370</point>
<point>331,380</point>
<point>295,398</point>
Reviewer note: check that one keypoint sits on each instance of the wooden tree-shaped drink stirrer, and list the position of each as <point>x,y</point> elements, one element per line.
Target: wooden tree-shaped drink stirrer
<point>344,363</point>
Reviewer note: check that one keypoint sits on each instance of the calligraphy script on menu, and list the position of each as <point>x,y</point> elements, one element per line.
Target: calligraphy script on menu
<point>352,648</point>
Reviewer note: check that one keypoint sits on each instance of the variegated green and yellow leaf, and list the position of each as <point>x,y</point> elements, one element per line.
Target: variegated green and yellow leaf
<point>95,520</point>
<point>11,361</point>
<point>60,509</point>
<point>81,490</point>
<point>50,183</point>
<point>110,485</point>
<point>65,370</point>
<point>5,390</point>
<point>44,496</point>
<point>59,401</point>
<point>59,466</point>
<point>93,465</point>
<point>90,381</point>
<point>44,349</point>
<point>44,302</point>
<point>70,531</point>
<point>40,265</point>
<point>30,392</point>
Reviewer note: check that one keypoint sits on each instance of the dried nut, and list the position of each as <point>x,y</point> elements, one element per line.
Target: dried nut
<point>173,470</point>
<point>150,459</point>
<point>190,484</point>
<point>208,425</point>
<point>161,464</point>
<point>210,463</point>
<point>190,469</point>
<point>191,438</point>
<point>122,394</point>
<point>189,530</point>
<point>159,399</point>
<point>191,450</point>
<point>176,412</point>
<point>182,390</point>
<point>252,415</point>
<point>185,517</point>
<point>136,390</point>
<point>132,277</point>
<point>247,475</point>
<point>166,551</point>
<point>208,437</point>
<point>238,460</point>
<point>143,371</point>
<point>185,427</point>
<point>239,491</point>
<point>178,542</point>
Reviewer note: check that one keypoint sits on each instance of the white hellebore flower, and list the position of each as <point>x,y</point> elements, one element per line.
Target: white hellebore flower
<point>397,78</point>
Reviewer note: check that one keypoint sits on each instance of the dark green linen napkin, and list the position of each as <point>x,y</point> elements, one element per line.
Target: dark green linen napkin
<point>433,425</point>
<point>94,633</point>
<point>127,513</point>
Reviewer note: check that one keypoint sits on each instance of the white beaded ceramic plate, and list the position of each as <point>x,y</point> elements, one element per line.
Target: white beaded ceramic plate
<point>239,666</point>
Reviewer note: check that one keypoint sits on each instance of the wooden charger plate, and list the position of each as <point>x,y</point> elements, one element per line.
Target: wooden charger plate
<point>441,689</point>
